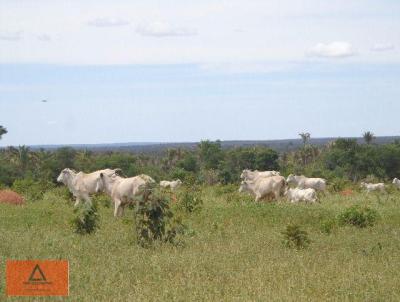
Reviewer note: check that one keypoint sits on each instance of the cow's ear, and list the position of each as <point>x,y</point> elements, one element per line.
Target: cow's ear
<point>118,171</point>
<point>101,175</point>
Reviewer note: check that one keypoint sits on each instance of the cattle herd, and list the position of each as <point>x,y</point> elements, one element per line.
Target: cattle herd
<point>261,184</point>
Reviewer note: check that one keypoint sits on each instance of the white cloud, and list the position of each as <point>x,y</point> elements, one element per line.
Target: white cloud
<point>108,22</point>
<point>382,47</point>
<point>43,38</point>
<point>11,36</point>
<point>332,50</point>
<point>164,29</point>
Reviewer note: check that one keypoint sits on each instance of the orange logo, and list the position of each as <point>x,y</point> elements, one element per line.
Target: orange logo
<point>37,278</point>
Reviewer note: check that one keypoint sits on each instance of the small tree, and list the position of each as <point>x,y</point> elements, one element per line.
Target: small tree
<point>368,137</point>
<point>2,131</point>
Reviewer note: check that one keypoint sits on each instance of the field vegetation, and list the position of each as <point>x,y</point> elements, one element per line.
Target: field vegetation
<point>207,241</point>
<point>230,248</point>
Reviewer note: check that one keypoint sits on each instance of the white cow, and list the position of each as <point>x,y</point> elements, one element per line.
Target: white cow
<point>123,190</point>
<point>264,186</point>
<point>373,187</point>
<point>296,195</point>
<point>250,175</point>
<point>302,182</point>
<point>396,182</point>
<point>171,184</point>
<point>81,185</point>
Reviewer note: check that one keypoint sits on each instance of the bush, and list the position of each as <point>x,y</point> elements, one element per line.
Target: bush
<point>327,226</point>
<point>359,217</point>
<point>338,185</point>
<point>190,200</point>
<point>86,219</point>
<point>295,237</point>
<point>32,190</point>
<point>155,221</point>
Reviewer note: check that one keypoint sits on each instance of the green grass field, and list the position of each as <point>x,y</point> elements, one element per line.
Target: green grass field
<point>233,252</point>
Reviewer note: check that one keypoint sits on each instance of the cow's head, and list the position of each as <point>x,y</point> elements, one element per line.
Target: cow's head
<point>65,175</point>
<point>290,179</point>
<point>244,186</point>
<point>244,174</point>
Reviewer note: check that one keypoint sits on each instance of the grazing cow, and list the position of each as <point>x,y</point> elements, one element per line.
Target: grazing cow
<point>81,185</point>
<point>396,182</point>
<point>302,182</point>
<point>251,175</point>
<point>173,185</point>
<point>373,187</point>
<point>296,195</point>
<point>123,190</point>
<point>264,186</point>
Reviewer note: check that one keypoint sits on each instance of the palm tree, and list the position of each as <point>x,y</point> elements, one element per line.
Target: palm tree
<point>2,131</point>
<point>305,137</point>
<point>368,137</point>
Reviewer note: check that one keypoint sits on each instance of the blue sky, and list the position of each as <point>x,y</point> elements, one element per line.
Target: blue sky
<point>144,72</point>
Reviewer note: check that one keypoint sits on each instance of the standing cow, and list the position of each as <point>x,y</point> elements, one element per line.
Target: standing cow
<point>81,184</point>
<point>302,182</point>
<point>373,187</point>
<point>173,185</point>
<point>123,190</point>
<point>296,195</point>
<point>396,182</point>
<point>251,175</point>
<point>262,187</point>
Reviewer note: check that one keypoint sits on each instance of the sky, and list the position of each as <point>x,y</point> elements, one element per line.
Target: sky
<point>175,71</point>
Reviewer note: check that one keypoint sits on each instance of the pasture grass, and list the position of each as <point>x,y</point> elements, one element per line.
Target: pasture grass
<point>234,251</point>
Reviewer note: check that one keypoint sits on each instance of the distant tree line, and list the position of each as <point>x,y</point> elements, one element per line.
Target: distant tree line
<point>209,163</point>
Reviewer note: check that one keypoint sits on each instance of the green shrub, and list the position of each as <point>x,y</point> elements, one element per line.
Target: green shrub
<point>30,189</point>
<point>86,218</point>
<point>359,217</point>
<point>155,222</point>
<point>295,237</point>
<point>327,226</point>
<point>190,199</point>
<point>338,185</point>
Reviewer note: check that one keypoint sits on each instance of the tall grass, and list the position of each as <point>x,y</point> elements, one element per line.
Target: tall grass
<point>235,252</point>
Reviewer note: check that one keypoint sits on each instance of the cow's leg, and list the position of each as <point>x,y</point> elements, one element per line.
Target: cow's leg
<point>121,210</point>
<point>87,199</point>
<point>77,201</point>
<point>117,204</point>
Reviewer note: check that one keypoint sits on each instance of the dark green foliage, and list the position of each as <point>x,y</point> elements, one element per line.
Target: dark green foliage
<point>295,237</point>
<point>155,221</point>
<point>338,184</point>
<point>211,154</point>
<point>32,190</point>
<point>340,162</point>
<point>358,216</point>
<point>190,199</point>
<point>86,218</point>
